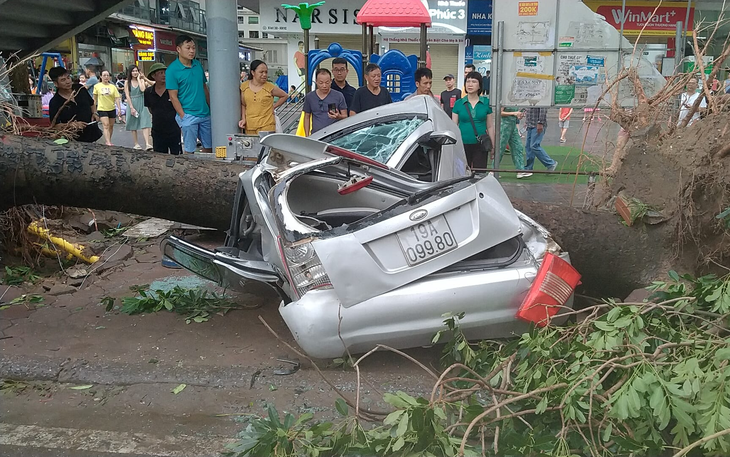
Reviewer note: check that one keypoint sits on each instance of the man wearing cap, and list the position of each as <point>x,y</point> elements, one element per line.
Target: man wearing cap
<point>165,131</point>
<point>450,95</point>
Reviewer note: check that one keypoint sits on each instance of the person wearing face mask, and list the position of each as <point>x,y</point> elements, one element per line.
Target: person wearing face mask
<point>106,96</point>
<point>257,101</point>
<point>186,85</point>
<point>371,95</point>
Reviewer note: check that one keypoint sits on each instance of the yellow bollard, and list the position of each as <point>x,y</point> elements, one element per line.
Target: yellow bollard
<point>74,249</point>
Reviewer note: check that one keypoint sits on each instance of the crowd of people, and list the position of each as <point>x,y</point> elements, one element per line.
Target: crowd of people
<point>169,107</point>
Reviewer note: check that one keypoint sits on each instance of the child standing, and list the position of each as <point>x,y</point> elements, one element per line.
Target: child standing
<point>564,122</point>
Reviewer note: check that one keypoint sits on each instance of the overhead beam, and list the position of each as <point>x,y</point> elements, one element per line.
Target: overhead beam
<point>25,30</point>
<point>83,20</point>
<point>66,5</point>
<point>15,12</point>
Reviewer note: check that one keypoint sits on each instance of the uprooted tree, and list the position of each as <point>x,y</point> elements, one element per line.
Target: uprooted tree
<point>674,180</point>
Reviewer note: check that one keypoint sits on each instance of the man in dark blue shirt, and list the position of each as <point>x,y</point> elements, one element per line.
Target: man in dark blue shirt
<point>340,70</point>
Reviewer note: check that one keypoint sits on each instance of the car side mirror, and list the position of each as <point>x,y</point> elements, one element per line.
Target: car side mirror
<point>444,137</point>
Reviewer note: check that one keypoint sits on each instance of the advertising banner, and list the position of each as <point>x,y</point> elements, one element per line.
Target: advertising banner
<point>479,20</point>
<point>663,22</point>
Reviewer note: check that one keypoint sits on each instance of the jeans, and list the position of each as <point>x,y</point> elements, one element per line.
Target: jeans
<point>194,128</point>
<point>534,149</point>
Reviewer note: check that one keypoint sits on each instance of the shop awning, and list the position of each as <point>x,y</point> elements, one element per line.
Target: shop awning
<point>394,13</point>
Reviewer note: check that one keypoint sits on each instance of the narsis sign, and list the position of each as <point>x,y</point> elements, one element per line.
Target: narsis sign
<point>449,16</point>
<point>479,19</point>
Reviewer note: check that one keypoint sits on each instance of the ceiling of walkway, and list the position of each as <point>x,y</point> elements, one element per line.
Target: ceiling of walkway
<point>31,25</point>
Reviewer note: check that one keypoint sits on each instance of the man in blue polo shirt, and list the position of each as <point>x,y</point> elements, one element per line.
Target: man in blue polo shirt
<point>186,84</point>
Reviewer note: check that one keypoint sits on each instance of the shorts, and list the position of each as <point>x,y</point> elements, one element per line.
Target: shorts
<point>166,142</point>
<point>110,114</point>
<point>564,124</point>
<point>194,128</point>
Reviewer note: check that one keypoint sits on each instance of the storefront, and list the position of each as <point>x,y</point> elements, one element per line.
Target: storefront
<point>101,54</point>
<point>338,24</point>
<point>479,35</point>
<point>166,51</point>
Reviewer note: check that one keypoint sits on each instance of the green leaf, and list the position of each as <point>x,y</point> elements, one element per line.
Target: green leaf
<point>606,436</point>
<point>542,406</point>
<point>399,444</point>
<point>439,412</point>
<point>179,389</point>
<point>673,274</point>
<point>605,326</point>
<point>61,141</point>
<point>394,417</point>
<point>403,425</point>
<point>84,387</point>
<point>341,407</point>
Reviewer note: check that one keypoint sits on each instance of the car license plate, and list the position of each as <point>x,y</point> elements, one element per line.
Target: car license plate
<point>426,240</point>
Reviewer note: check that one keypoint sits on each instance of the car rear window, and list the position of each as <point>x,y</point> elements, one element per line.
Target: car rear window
<point>378,141</point>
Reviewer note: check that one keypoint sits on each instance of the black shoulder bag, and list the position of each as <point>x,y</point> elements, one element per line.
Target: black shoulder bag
<point>485,140</point>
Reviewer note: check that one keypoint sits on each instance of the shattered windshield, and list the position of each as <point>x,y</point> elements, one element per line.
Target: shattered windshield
<point>379,141</point>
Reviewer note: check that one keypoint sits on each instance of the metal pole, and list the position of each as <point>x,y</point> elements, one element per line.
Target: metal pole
<point>307,80</point>
<point>224,71</point>
<point>424,46</point>
<point>686,24</point>
<point>364,47</point>
<point>371,50</point>
<point>678,41</point>
<point>620,65</point>
<point>498,95</point>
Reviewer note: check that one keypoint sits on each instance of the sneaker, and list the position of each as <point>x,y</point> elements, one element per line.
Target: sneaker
<point>562,140</point>
<point>555,165</point>
<point>148,148</point>
<point>136,146</point>
<point>523,175</point>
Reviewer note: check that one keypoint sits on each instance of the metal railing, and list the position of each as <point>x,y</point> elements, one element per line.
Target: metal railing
<point>290,113</point>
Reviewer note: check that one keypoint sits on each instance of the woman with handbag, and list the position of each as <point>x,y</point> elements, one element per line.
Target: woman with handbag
<point>475,120</point>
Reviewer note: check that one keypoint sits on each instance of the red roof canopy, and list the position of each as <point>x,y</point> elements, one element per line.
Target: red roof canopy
<point>394,13</point>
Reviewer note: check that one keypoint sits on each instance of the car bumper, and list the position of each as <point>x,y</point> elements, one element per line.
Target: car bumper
<point>410,315</point>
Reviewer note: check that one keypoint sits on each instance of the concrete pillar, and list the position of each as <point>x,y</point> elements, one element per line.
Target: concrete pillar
<point>225,101</point>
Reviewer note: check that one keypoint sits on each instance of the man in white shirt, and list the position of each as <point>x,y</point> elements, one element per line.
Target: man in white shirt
<point>688,100</point>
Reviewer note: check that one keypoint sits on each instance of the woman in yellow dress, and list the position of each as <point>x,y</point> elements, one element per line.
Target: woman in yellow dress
<point>257,101</point>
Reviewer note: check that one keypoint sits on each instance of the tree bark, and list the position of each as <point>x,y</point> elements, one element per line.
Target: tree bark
<point>613,259</point>
<point>196,191</point>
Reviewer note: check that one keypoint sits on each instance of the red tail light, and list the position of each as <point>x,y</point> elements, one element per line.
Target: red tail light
<point>555,282</point>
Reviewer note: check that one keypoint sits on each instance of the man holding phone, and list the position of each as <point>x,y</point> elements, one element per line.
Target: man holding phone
<point>324,106</point>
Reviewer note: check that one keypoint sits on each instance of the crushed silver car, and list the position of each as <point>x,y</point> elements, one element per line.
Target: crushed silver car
<point>364,254</point>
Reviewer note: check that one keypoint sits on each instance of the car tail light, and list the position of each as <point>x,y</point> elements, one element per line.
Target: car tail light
<point>555,282</point>
<point>304,268</point>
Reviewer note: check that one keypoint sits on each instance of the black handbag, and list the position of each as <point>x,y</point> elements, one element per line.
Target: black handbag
<point>484,140</point>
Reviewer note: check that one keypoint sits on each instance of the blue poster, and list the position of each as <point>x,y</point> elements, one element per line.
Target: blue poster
<point>479,18</point>
<point>468,54</point>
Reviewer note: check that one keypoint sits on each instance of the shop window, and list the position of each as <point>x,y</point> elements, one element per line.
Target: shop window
<point>264,35</point>
<point>253,34</point>
<point>392,83</point>
<point>240,19</point>
<point>241,34</point>
<point>253,19</point>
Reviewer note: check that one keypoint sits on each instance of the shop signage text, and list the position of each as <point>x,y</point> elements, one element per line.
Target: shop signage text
<point>165,41</point>
<point>145,36</point>
<point>527,8</point>
<point>659,21</point>
<point>479,21</point>
<point>145,56</point>
<point>431,39</point>
<point>448,14</point>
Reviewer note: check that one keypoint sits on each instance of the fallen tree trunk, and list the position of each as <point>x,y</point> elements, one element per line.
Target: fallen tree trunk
<point>183,189</point>
<point>613,259</point>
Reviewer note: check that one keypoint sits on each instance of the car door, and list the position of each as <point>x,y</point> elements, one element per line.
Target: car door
<point>432,227</point>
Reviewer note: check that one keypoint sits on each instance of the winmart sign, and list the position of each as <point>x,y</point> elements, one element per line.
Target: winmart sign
<point>638,15</point>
